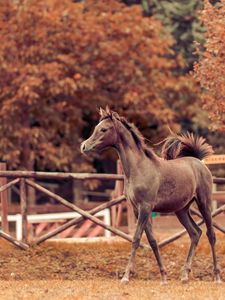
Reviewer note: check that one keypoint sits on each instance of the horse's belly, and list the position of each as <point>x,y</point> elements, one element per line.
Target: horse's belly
<point>173,201</point>
<point>171,205</point>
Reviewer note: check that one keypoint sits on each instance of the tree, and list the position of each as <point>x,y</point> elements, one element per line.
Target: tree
<point>210,70</point>
<point>181,20</point>
<point>61,60</point>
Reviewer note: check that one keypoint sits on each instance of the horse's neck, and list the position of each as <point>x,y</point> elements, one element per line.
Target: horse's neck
<point>130,155</point>
<point>128,160</point>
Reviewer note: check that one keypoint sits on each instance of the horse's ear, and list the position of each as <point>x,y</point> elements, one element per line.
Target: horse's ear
<point>102,113</point>
<point>108,110</point>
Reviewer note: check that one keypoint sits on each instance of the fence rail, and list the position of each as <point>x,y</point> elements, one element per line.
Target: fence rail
<point>26,178</point>
<point>59,175</point>
<point>78,176</point>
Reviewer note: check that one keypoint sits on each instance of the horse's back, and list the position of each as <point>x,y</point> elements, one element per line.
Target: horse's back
<point>186,168</point>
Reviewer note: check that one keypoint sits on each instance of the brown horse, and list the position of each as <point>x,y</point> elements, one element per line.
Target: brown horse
<point>168,184</point>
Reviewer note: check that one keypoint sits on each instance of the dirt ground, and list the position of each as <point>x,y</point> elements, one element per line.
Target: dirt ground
<point>93,271</point>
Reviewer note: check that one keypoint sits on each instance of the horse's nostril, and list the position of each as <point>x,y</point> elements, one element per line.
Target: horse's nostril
<point>82,147</point>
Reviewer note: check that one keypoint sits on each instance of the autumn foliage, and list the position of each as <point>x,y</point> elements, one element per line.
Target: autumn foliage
<point>60,61</point>
<point>210,71</point>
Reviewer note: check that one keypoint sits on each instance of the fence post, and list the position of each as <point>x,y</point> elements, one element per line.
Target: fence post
<point>4,200</point>
<point>117,217</point>
<point>120,191</point>
<point>23,207</point>
<point>77,191</point>
<point>116,211</point>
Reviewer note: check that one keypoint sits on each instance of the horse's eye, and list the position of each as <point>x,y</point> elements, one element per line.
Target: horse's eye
<point>103,130</point>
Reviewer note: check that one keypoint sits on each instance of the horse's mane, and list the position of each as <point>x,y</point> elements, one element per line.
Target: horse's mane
<point>135,132</point>
<point>173,147</point>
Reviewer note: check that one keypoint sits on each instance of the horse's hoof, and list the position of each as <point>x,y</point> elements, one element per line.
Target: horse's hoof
<point>163,279</point>
<point>163,282</point>
<point>185,276</point>
<point>184,279</point>
<point>124,280</point>
<point>217,279</point>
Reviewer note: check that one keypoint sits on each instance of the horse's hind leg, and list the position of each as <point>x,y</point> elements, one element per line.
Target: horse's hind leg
<point>205,210</point>
<point>195,233</point>
<point>154,246</point>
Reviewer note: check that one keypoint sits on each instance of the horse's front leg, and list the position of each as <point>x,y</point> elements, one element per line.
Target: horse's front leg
<point>143,216</point>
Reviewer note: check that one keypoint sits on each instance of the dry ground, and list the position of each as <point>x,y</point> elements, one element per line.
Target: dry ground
<point>92,271</point>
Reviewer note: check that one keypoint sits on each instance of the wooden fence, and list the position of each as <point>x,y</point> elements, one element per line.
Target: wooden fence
<point>26,178</point>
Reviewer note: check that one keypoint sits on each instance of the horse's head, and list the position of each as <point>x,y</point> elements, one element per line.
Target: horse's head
<point>104,135</point>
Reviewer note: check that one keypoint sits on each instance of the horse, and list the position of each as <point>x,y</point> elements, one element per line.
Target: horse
<point>166,184</point>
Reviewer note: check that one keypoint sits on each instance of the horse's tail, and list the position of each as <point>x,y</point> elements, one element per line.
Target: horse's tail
<point>185,145</point>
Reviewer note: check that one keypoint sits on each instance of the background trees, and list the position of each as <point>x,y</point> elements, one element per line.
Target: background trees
<point>61,60</point>
<point>210,71</point>
<point>181,19</point>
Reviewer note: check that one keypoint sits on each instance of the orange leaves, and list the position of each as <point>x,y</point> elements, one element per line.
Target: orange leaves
<point>60,60</point>
<point>77,76</point>
<point>210,71</point>
<point>51,71</point>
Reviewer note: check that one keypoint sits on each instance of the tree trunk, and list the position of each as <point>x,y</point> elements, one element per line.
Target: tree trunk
<point>27,160</point>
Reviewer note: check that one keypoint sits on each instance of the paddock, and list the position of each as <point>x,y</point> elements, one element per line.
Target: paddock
<point>56,270</point>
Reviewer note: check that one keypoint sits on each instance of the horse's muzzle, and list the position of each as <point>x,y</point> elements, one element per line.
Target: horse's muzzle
<point>83,148</point>
<point>90,149</point>
<point>86,148</point>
